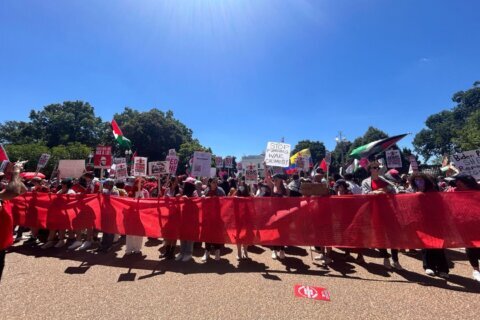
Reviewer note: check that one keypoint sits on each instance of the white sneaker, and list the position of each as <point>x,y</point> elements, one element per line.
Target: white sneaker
<point>396,265</point>
<point>206,256</point>
<point>321,256</point>
<point>476,275</point>
<point>217,255</point>
<point>386,263</point>
<point>245,254</point>
<point>85,245</point>
<point>187,257</point>
<point>430,272</point>
<point>179,257</point>
<point>60,243</point>
<point>281,255</point>
<point>75,245</point>
<point>274,255</point>
<point>48,244</point>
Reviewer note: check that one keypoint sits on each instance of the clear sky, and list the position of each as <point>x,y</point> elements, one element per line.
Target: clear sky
<point>241,73</point>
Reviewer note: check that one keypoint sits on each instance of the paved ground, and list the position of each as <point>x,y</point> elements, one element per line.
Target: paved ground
<point>56,284</point>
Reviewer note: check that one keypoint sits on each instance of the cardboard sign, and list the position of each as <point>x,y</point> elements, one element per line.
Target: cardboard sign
<point>278,154</point>
<point>172,161</point>
<point>468,162</point>
<point>121,171</point>
<point>394,158</point>
<point>139,167</point>
<point>314,189</point>
<point>42,162</point>
<point>251,176</point>
<point>309,292</point>
<point>71,168</point>
<point>201,164</point>
<point>103,157</point>
<point>218,162</point>
<point>229,162</point>
<point>157,168</point>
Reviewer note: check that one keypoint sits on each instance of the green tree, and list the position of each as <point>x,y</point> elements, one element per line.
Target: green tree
<point>153,132</point>
<point>469,137</point>
<point>30,152</point>
<point>317,149</point>
<point>446,131</point>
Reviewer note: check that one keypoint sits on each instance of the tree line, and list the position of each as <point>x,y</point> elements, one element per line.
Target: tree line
<point>71,130</point>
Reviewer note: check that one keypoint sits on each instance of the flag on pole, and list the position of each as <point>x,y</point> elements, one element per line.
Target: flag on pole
<point>324,166</point>
<point>3,153</point>
<point>375,147</point>
<point>121,139</point>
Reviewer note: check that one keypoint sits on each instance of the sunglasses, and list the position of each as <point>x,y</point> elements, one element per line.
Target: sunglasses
<point>376,168</point>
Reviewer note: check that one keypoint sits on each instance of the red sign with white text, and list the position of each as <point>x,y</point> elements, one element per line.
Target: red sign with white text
<point>315,293</point>
<point>103,157</point>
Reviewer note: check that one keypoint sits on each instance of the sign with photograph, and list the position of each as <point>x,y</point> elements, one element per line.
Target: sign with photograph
<point>139,167</point>
<point>201,164</point>
<point>103,157</point>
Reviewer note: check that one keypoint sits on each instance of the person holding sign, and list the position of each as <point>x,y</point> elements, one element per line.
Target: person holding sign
<point>172,190</point>
<point>134,243</point>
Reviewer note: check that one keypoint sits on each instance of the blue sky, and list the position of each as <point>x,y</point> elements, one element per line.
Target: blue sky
<point>241,73</point>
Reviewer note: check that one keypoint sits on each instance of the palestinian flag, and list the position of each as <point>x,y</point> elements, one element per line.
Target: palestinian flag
<point>375,147</point>
<point>122,141</point>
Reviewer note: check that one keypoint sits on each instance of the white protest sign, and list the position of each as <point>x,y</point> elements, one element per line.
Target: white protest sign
<point>251,175</point>
<point>121,171</point>
<point>394,158</point>
<point>139,167</point>
<point>277,154</point>
<point>201,164</point>
<point>157,168</point>
<point>229,162</point>
<point>42,162</point>
<point>71,168</point>
<point>213,172</point>
<point>413,164</point>
<point>219,162</point>
<point>172,161</point>
<point>468,162</point>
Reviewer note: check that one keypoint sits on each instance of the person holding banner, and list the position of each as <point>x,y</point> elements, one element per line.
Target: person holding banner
<point>134,243</point>
<point>37,187</point>
<point>277,185</point>
<point>213,190</point>
<point>14,188</point>
<point>172,190</point>
<point>376,184</point>
<point>244,192</point>
<point>186,246</point>
<point>465,182</point>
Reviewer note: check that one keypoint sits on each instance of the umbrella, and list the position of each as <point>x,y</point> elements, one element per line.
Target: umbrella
<point>31,175</point>
<point>375,147</point>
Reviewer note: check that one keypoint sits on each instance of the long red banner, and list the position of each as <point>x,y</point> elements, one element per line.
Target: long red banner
<point>430,220</point>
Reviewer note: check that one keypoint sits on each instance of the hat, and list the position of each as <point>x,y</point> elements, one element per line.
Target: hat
<point>190,180</point>
<point>340,182</point>
<point>279,176</point>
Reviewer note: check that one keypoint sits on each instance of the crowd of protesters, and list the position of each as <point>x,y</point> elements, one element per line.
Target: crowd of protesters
<point>373,179</point>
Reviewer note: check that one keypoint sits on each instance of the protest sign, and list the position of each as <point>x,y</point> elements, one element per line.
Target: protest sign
<point>172,161</point>
<point>71,168</point>
<point>103,157</point>
<point>229,162</point>
<point>302,163</point>
<point>394,158</point>
<point>213,172</point>
<point>239,166</point>
<point>201,164</point>
<point>157,168</point>
<point>219,162</point>
<point>139,167</point>
<point>277,154</point>
<point>121,171</point>
<point>413,164</point>
<point>42,162</point>
<point>309,292</point>
<point>251,175</point>
<point>119,160</point>
<point>468,162</point>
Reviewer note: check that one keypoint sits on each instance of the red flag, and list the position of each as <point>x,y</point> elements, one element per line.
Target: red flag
<point>323,165</point>
<point>310,292</point>
<point>3,154</point>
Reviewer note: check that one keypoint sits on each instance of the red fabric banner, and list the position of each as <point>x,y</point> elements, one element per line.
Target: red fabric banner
<point>429,220</point>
